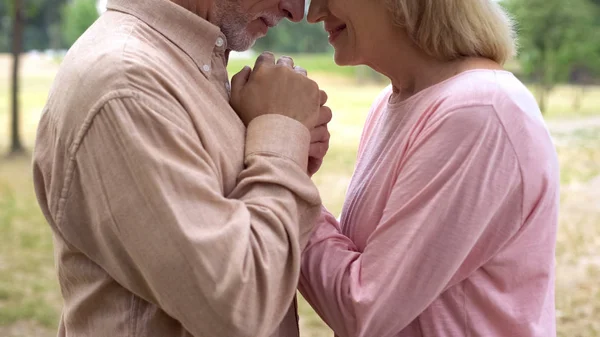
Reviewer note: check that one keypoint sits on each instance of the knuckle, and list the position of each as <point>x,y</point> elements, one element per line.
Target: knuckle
<point>322,150</point>
<point>265,57</point>
<point>300,70</point>
<point>260,70</point>
<point>259,74</point>
<point>320,133</point>
<point>312,86</point>
<point>326,114</point>
<point>281,70</point>
<point>318,150</point>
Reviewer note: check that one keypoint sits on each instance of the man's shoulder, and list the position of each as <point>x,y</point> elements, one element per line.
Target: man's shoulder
<point>118,51</point>
<point>118,57</point>
<point>118,54</point>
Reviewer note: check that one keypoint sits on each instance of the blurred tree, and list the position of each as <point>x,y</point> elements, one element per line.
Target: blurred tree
<point>554,37</point>
<point>586,70</point>
<point>18,20</point>
<point>34,17</point>
<point>41,29</point>
<point>52,23</point>
<point>594,56</point>
<point>20,11</point>
<point>5,22</point>
<point>77,17</point>
<point>294,38</point>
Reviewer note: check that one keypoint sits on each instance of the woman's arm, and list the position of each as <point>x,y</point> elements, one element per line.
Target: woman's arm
<point>457,200</point>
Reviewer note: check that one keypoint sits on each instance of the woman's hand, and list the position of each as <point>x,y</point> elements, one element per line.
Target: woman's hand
<point>319,137</point>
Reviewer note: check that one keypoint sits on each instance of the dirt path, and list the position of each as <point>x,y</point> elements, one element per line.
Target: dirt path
<point>572,125</point>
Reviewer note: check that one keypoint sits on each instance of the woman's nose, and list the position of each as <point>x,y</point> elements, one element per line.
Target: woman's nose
<point>317,11</point>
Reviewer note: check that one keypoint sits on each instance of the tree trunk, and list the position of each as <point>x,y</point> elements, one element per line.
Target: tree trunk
<point>542,93</point>
<point>577,100</point>
<point>17,47</point>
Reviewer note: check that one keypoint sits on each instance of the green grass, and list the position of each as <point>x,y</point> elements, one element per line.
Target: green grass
<point>28,290</point>
<point>37,76</point>
<point>561,102</point>
<point>579,156</point>
<point>29,294</point>
<point>578,243</point>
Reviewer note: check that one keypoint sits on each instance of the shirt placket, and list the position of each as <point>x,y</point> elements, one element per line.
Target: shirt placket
<point>216,71</point>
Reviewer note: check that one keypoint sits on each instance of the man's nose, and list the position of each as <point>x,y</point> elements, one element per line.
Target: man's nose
<point>293,9</point>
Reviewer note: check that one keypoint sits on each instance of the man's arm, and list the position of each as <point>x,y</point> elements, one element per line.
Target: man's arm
<point>155,218</point>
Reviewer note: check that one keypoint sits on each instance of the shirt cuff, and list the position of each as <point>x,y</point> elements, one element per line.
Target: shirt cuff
<point>280,136</point>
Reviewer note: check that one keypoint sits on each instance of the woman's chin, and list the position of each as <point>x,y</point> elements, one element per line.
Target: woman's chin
<point>340,58</point>
<point>343,59</point>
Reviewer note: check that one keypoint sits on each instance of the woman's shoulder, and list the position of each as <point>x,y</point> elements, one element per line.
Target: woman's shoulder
<point>486,88</point>
<point>503,104</point>
<point>494,90</point>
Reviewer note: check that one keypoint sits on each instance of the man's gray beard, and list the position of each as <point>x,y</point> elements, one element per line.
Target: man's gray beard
<point>238,38</point>
<point>235,27</point>
<point>233,22</point>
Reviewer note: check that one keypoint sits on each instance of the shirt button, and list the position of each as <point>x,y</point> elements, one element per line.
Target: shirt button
<point>219,42</point>
<point>206,67</point>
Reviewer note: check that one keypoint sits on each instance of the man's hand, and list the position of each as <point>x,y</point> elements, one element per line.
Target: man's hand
<point>319,137</point>
<point>275,88</point>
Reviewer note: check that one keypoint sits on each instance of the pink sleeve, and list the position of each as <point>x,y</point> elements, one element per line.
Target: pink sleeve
<point>456,201</point>
<point>376,110</point>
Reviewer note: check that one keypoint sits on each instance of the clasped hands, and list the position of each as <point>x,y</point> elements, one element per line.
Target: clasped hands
<point>280,87</point>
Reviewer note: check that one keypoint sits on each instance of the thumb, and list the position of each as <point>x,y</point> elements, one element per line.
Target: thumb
<point>240,79</point>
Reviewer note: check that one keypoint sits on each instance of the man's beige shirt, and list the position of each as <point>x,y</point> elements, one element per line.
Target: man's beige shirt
<point>170,218</point>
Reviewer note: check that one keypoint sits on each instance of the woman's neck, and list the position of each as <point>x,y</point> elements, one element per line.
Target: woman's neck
<point>408,80</point>
<point>411,70</point>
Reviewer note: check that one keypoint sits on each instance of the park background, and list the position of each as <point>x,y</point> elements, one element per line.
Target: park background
<point>559,60</point>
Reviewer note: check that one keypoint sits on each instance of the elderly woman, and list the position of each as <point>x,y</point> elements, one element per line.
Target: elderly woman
<point>449,225</point>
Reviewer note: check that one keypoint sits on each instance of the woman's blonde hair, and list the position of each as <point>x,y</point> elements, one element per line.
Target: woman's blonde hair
<point>451,29</point>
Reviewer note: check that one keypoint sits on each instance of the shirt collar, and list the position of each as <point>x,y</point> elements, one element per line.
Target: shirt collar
<point>194,35</point>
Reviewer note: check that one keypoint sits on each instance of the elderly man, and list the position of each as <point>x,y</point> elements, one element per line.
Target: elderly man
<point>174,214</point>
